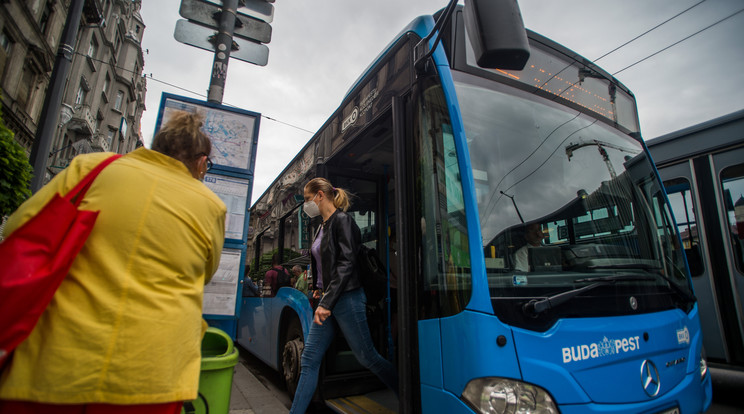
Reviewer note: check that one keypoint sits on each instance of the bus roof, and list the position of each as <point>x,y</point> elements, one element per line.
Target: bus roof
<point>705,137</point>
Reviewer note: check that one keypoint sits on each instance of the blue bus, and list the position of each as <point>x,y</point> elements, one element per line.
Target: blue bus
<point>532,261</point>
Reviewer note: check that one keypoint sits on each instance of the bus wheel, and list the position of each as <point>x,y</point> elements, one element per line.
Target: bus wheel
<point>291,355</point>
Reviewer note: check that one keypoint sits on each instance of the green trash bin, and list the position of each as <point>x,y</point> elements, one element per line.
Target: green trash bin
<point>219,356</point>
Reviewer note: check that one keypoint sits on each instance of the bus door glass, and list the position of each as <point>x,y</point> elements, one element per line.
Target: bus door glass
<point>730,172</point>
<point>732,183</point>
<point>684,200</point>
<point>446,283</point>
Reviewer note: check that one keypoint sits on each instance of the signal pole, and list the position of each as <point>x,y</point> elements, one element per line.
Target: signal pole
<point>222,47</point>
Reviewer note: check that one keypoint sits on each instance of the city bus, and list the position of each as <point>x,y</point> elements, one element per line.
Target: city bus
<point>533,263</point>
<point>702,168</point>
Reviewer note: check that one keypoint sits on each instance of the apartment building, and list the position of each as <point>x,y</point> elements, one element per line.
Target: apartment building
<point>104,96</point>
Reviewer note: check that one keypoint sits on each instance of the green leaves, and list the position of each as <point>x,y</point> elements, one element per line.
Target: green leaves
<point>15,172</point>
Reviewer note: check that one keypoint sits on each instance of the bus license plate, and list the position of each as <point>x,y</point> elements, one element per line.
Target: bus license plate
<point>674,410</point>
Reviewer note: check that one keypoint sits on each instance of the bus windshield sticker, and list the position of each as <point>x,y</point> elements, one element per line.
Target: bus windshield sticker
<point>600,349</point>
<point>683,336</point>
<point>520,280</point>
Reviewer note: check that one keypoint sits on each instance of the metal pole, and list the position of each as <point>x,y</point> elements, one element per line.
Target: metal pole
<point>222,47</point>
<point>53,99</point>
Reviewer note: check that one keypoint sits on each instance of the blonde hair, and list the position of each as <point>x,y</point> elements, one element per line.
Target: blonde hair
<point>340,196</point>
<point>183,139</point>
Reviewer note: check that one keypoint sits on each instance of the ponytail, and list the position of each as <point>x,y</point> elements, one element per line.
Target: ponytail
<point>340,197</point>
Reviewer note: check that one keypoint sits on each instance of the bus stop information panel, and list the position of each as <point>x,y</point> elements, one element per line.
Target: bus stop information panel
<point>234,136</point>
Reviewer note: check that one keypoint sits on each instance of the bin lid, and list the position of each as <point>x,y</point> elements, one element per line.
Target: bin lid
<point>215,343</point>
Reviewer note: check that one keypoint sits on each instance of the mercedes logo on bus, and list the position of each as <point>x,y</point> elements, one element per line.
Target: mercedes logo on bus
<point>650,380</point>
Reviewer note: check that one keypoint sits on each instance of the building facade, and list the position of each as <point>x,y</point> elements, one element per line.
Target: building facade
<point>30,32</point>
<point>104,96</point>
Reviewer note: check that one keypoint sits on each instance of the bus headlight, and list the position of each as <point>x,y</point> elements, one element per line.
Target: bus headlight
<point>703,365</point>
<point>507,396</point>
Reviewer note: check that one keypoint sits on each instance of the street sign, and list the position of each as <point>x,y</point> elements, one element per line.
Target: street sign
<point>197,35</point>
<point>208,15</point>
<point>260,9</point>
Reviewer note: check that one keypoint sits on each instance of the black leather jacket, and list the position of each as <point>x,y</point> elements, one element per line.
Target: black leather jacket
<point>339,250</point>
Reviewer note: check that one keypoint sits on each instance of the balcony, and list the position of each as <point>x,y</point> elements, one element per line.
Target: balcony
<point>83,120</point>
<point>99,142</point>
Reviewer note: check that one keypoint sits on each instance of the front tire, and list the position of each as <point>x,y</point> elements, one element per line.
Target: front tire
<point>292,355</point>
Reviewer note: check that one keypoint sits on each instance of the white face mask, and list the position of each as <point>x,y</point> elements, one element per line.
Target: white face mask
<point>311,208</point>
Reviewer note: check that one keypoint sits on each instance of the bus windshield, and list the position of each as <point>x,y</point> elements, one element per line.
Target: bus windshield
<point>566,201</point>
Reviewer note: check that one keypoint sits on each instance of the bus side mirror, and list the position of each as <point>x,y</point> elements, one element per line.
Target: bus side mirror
<point>497,33</point>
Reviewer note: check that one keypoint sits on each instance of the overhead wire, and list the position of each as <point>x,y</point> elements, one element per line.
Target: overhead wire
<point>650,30</point>
<point>623,45</point>
<point>679,41</point>
<point>190,91</point>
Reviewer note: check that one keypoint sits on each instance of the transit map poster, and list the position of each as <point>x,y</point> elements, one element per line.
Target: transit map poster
<point>233,131</point>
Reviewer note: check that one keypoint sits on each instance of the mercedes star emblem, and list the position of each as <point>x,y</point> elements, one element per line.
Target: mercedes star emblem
<point>650,378</point>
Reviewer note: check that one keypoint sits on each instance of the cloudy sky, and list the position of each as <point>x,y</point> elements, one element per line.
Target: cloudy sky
<point>320,47</point>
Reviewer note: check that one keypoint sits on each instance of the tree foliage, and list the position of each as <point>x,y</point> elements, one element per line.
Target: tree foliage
<point>15,171</point>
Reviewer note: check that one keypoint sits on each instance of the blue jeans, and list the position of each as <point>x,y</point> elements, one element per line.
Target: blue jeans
<point>350,315</point>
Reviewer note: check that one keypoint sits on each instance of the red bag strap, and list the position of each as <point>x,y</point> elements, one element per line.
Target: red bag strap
<point>78,192</point>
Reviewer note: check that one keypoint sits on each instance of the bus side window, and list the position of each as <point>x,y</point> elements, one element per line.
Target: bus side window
<point>732,181</point>
<point>680,199</point>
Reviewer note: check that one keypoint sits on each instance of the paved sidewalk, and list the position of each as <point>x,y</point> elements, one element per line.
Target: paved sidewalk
<point>250,396</point>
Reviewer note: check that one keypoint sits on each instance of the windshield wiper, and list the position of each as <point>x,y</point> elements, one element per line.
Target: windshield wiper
<point>537,306</point>
<point>687,296</point>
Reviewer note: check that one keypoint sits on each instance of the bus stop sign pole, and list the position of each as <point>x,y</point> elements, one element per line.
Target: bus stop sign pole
<point>222,47</point>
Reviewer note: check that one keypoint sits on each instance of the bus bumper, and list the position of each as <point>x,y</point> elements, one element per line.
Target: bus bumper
<point>690,396</point>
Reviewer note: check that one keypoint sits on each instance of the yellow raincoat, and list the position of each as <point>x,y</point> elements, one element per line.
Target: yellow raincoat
<point>125,326</point>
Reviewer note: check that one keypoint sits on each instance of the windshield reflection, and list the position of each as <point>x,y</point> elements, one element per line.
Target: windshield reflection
<point>560,194</point>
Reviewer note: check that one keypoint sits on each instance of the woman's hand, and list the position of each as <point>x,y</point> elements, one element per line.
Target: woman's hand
<point>321,314</point>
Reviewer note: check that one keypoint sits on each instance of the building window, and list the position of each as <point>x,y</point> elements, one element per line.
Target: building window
<point>110,136</point>
<point>106,83</point>
<point>46,17</point>
<point>81,94</point>
<point>5,42</point>
<point>119,100</point>
<point>106,7</point>
<point>93,47</point>
<point>26,87</point>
